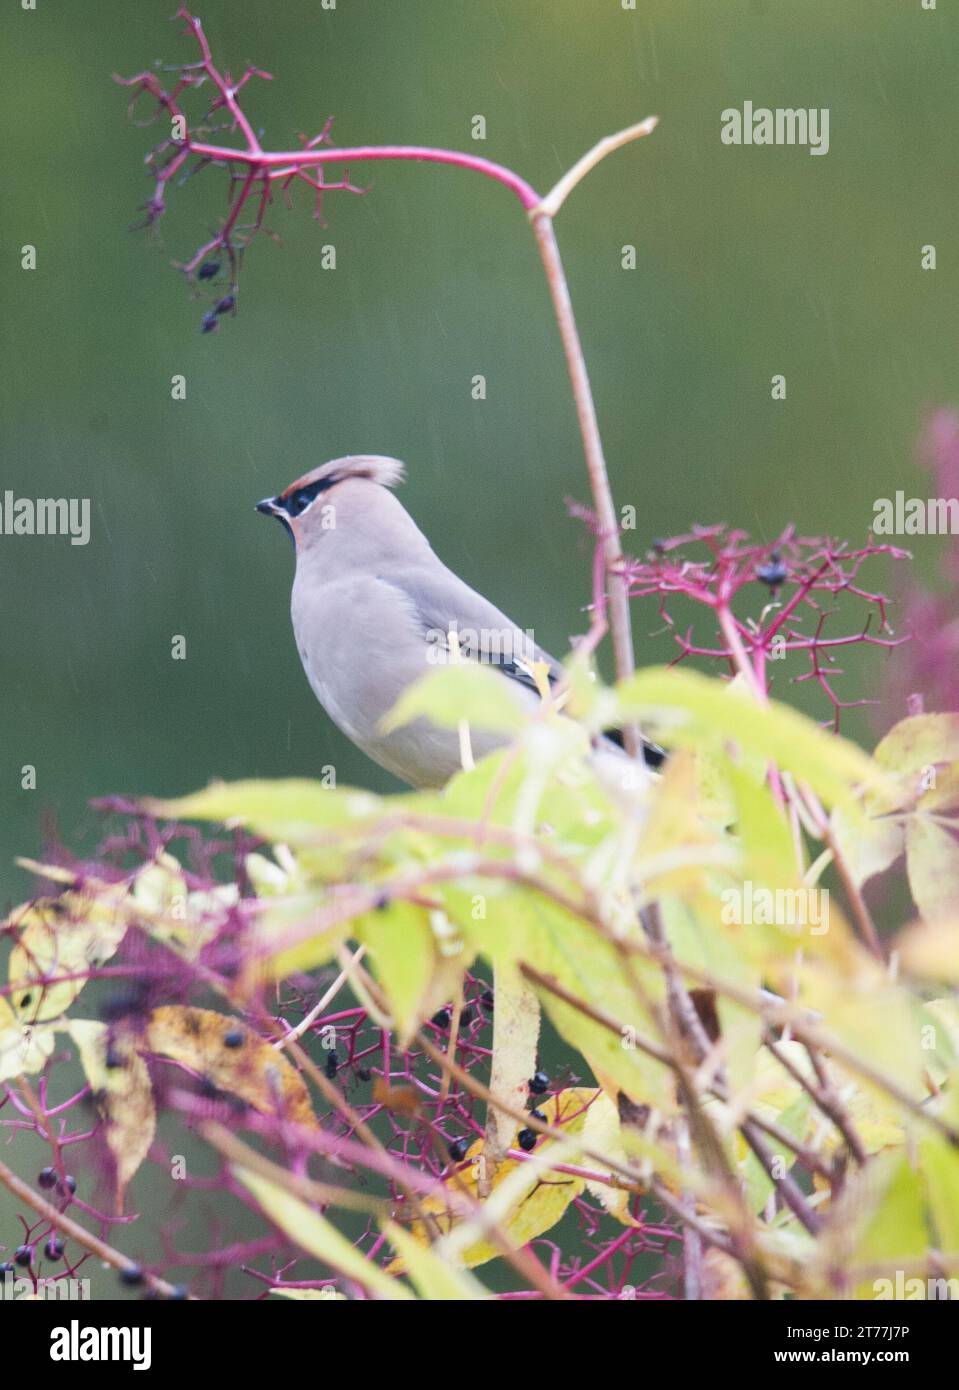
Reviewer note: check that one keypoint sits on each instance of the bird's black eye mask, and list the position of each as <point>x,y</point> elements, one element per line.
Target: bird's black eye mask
<point>297,502</point>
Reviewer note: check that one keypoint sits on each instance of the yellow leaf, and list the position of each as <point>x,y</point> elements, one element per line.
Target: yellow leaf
<point>932,860</point>
<point>540,1199</point>
<point>246,1066</point>
<point>120,1083</point>
<point>436,1279</point>
<point>64,936</point>
<point>601,1132</point>
<point>24,1050</point>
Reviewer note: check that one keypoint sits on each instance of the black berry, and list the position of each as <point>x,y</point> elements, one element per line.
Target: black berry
<point>332,1064</point>
<point>442,1018</point>
<point>53,1248</point>
<point>235,1038</point>
<point>24,1255</point>
<point>527,1140</point>
<point>774,572</point>
<point>207,270</point>
<point>47,1177</point>
<point>456,1149</point>
<point>131,1276</point>
<point>538,1083</point>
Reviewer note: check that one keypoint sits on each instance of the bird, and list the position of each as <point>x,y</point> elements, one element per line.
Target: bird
<point>373,607</point>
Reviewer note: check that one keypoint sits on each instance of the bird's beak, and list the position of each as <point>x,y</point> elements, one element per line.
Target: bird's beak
<point>268,506</point>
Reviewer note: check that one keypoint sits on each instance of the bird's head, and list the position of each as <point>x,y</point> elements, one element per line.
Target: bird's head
<point>309,506</point>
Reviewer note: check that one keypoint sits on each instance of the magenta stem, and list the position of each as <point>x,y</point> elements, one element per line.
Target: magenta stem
<point>287,162</point>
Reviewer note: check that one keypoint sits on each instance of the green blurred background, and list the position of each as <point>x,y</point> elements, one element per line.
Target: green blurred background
<point>751,261</point>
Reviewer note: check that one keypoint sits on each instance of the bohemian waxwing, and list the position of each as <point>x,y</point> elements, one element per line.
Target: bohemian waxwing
<point>372,608</point>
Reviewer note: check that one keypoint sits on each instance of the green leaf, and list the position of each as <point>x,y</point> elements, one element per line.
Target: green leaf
<point>319,1237</point>
<point>451,694</point>
<point>686,708</point>
<point>940,1171</point>
<point>290,810</point>
<point>418,959</point>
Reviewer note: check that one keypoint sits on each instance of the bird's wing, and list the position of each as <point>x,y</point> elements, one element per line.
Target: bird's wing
<point>443,603</point>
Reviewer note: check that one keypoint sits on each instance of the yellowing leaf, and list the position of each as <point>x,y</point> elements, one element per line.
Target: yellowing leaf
<point>24,1050</point>
<point>539,1199</point>
<point>67,936</point>
<point>319,1237</point>
<point>516,1023</point>
<point>253,1069</point>
<point>930,950</point>
<point>120,1083</point>
<point>922,741</point>
<point>601,1133</point>
<point>932,859</point>
<point>435,1278</point>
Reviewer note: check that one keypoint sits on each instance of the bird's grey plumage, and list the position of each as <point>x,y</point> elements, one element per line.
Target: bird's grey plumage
<point>372,604</point>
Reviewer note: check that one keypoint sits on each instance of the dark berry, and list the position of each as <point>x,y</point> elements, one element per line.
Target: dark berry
<point>224,305</point>
<point>527,1139</point>
<point>538,1115</point>
<point>235,1038</point>
<point>207,270</point>
<point>486,999</point>
<point>466,1013</point>
<point>24,1255</point>
<point>124,1002</point>
<point>209,323</point>
<point>53,1248</point>
<point>364,1073</point>
<point>442,1018</point>
<point>774,573</point>
<point>47,1177</point>
<point>6,1268</point>
<point>331,1065</point>
<point>538,1083</point>
<point>67,1186</point>
<point>131,1276</point>
<point>456,1149</point>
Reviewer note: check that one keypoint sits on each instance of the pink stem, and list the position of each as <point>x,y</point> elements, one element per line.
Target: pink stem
<point>283,163</point>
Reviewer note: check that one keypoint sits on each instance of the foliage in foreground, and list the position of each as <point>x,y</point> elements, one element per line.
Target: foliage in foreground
<point>758,1085</point>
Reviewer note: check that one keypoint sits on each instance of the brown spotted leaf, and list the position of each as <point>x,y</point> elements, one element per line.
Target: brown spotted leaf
<point>247,1066</point>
